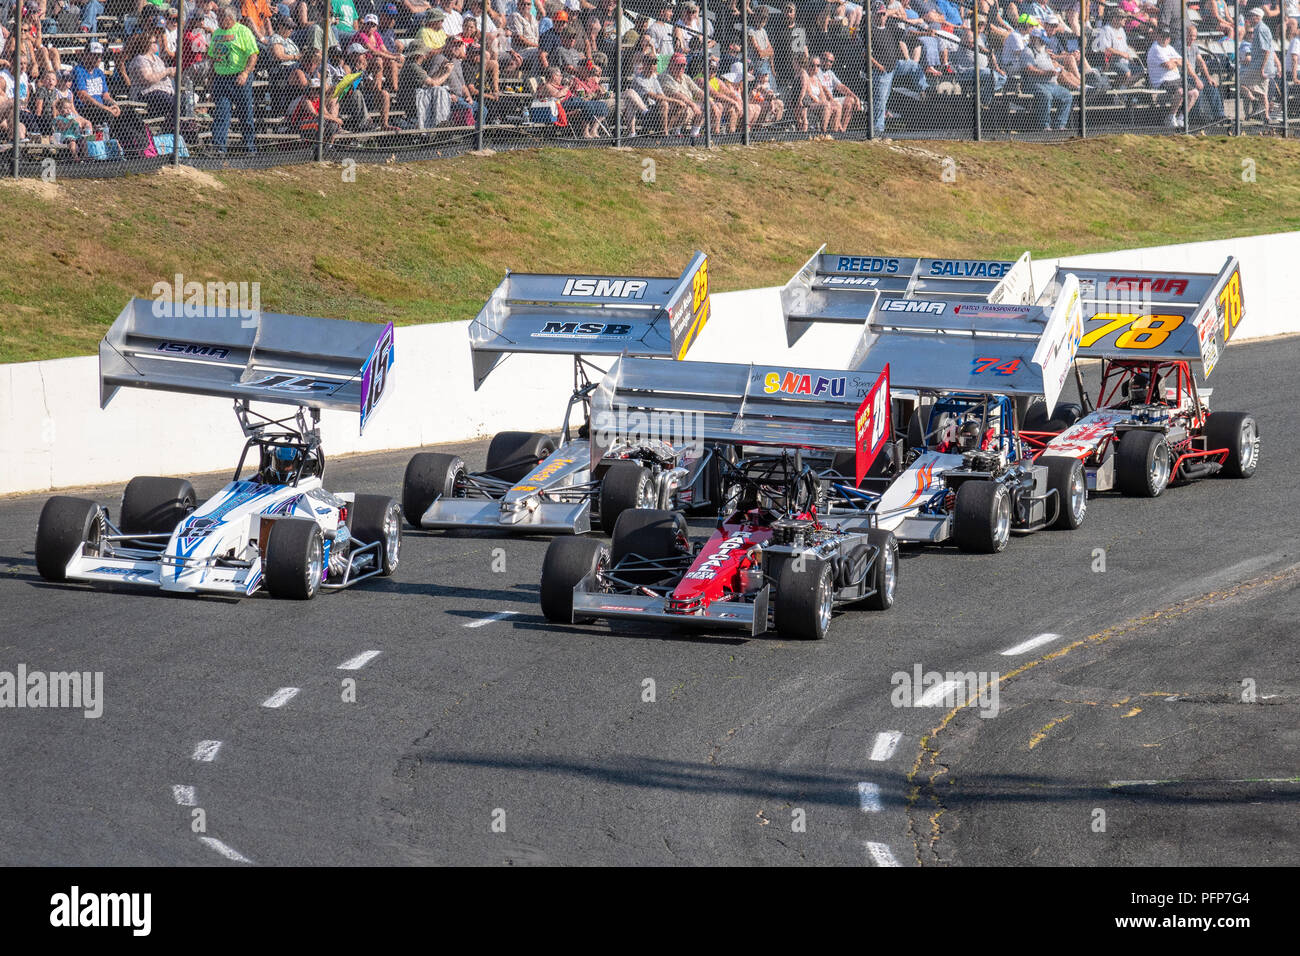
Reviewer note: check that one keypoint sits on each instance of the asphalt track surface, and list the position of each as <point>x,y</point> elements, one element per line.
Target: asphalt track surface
<point>1136,708</point>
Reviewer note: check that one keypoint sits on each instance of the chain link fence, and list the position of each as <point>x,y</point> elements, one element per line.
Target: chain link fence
<point>110,86</point>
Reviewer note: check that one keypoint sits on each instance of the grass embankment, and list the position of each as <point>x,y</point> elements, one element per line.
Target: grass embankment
<point>428,241</point>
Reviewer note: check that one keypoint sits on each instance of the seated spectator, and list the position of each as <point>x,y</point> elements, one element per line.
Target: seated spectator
<point>151,80</point>
<point>587,102</point>
<point>1112,43</point>
<point>196,68</point>
<point>684,96</point>
<point>282,54</point>
<point>1139,19</point>
<point>369,36</point>
<point>525,36</point>
<point>1038,76</point>
<point>464,94</point>
<point>811,98</point>
<point>303,114</point>
<point>766,101</point>
<point>1164,72</point>
<point>93,101</point>
<point>67,128</point>
<point>256,15</point>
<point>660,30</point>
<point>432,36</point>
<point>1216,17</point>
<point>422,92</point>
<point>844,98</point>
<point>43,103</point>
<point>760,46</point>
<point>1065,52</point>
<point>1209,104</point>
<point>962,61</point>
<point>347,21</point>
<point>644,97</point>
<point>568,56</point>
<point>725,97</point>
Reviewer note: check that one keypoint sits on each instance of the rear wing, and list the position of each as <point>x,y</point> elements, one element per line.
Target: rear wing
<point>986,348</point>
<point>763,405</point>
<point>1157,316</point>
<point>844,289</point>
<point>590,315</point>
<point>264,357</point>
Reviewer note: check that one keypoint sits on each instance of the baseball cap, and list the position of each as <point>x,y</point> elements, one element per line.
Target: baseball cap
<point>735,74</point>
<point>210,22</point>
<point>370,18</point>
<point>1051,19</point>
<point>1257,11</point>
<point>560,16</point>
<point>878,6</point>
<point>95,47</point>
<point>678,58</point>
<point>356,48</point>
<point>436,14</point>
<point>573,4</point>
<point>159,23</point>
<point>390,10</point>
<point>1026,20</point>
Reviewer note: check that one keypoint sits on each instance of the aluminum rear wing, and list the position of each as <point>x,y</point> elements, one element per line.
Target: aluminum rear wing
<point>694,402</point>
<point>981,348</point>
<point>590,315</point>
<point>263,357</point>
<point>844,289</point>
<point>1157,316</point>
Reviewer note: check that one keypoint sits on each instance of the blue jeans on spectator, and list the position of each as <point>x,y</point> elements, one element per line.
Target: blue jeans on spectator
<point>881,84</point>
<point>911,73</point>
<point>463,102</point>
<point>227,95</point>
<point>1124,68</point>
<point>91,11</point>
<point>990,83</point>
<point>1046,96</point>
<point>1209,107</point>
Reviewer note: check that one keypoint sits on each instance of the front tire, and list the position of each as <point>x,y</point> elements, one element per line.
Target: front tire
<point>647,533</point>
<point>626,485</point>
<point>155,505</point>
<point>65,526</point>
<point>378,518</point>
<point>1142,464</point>
<point>294,563</point>
<point>884,573</point>
<point>1067,477</point>
<point>568,561</point>
<point>429,476</point>
<point>1239,433</point>
<point>805,598</point>
<point>982,517</point>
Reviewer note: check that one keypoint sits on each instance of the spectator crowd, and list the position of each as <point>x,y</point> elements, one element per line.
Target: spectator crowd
<point>251,74</point>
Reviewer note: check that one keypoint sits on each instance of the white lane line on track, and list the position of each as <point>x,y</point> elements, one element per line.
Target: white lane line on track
<point>885,745</point>
<point>358,662</point>
<point>281,697</point>
<point>869,797</point>
<point>498,616</point>
<point>1026,646</point>
<point>184,795</point>
<point>939,694</point>
<point>206,750</point>
<point>881,854</point>
<point>228,852</point>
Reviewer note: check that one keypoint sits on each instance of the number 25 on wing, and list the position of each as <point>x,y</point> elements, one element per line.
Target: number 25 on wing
<point>872,425</point>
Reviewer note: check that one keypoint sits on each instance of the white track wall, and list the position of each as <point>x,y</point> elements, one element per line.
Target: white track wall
<point>53,434</point>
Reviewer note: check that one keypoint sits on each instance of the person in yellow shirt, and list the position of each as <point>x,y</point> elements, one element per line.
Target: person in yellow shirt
<point>432,35</point>
<point>233,52</point>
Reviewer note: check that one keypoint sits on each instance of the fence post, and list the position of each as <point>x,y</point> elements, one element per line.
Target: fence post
<point>1236,69</point>
<point>744,70</point>
<point>180,59</point>
<point>1083,70</point>
<point>16,69</point>
<point>618,75</point>
<point>1182,29</point>
<point>975,58</point>
<point>704,30</point>
<point>871,78</point>
<point>324,75</point>
<point>1281,25</point>
<point>482,78</point>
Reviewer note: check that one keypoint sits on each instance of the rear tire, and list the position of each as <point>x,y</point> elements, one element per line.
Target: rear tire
<point>294,563</point>
<point>649,533</point>
<point>1067,476</point>
<point>66,524</point>
<point>982,517</point>
<point>378,518</point>
<point>429,476</point>
<point>884,573</point>
<point>1239,433</point>
<point>1142,464</point>
<point>155,505</point>
<point>626,485</point>
<point>512,455</point>
<point>568,561</point>
<point>805,598</point>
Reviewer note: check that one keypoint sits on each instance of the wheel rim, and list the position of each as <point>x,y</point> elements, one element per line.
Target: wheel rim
<point>1160,467</point>
<point>392,535</point>
<point>313,564</point>
<point>1002,527</point>
<point>1246,452</point>
<point>646,497</point>
<point>891,574</point>
<point>1078,495</point>
<point>824,603</point>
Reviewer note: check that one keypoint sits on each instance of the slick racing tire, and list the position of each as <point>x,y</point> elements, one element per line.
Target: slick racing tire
<point>648,533</point>
<point>1062,417</point>
<point>512,455</point>
<point>568,561</point>
<point>1237,432</point>
<point>1067,477</point>
<point>155,505</point>
<point>429,476</point>
<point>805,598</point>
<point>982,517</point>
<point>293,566</point>
<point>65,525</point>
<point>627,484</point>
<point>884,572</point>
<point>378,518</point>
<point>1142,464</point>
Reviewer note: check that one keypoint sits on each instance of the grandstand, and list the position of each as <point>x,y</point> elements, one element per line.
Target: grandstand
<point>101,87</point>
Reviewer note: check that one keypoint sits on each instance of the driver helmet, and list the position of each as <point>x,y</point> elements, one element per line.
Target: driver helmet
<point>283,465</point>
<point>968,436</point>
<point>1136,387</point>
